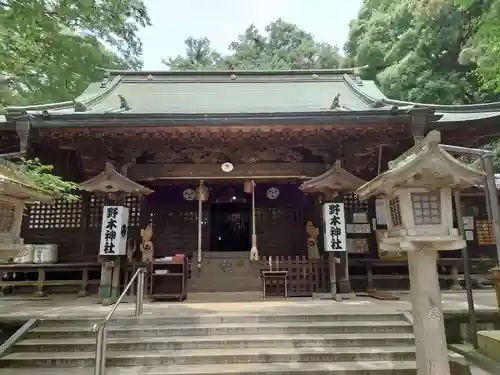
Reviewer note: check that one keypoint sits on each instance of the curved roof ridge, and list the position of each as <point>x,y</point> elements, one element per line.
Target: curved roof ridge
<point>354,88</point>
<point>228,72</point>
<point>82,98</point>
<point>370,100</point>
<point>102,94</point>
<point>448,107</point>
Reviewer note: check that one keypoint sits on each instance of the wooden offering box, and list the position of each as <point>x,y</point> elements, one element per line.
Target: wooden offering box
<point>168,278</point>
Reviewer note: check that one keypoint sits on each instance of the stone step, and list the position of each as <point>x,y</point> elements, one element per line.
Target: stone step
<point>310,368</point>
<point>218,342</point>
<point>211,356</point>
<point>229,318</point>
<point>47,332</point>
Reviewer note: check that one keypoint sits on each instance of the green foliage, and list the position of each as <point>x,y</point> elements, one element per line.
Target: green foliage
<point>284,46</point>
<point>413,49</point>
<point>430,51</point>
<point>50,50</point>
<point>483,47</point>
<point>41,176</point>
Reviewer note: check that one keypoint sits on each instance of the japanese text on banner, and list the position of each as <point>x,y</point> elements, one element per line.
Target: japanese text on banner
<point>334,224</point>
<point>114,230</point>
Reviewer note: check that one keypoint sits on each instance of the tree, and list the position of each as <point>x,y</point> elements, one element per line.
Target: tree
<point>413,49</point>
<point>483,47</point>
<point>284,46</point>
<point>199,55</point>
<point>41,176</point>
<point>50,50</point>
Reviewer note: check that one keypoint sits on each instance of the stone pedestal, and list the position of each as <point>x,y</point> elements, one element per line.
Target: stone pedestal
<point>495,278</point>
<point>455,282</point>
<point>432,351</point>
<point>344,282</point>
<point>105,285</point>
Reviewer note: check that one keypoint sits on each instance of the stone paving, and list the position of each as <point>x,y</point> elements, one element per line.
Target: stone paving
<point>71,306</point>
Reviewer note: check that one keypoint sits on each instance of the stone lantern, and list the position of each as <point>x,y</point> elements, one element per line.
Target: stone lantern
<point>418,196</point>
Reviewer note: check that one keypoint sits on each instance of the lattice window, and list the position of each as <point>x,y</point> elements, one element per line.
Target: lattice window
<point>96,206</point>
<point>134,205</point>
<point>352,206</point>
<point>60,214</point>
<point>395,212</point>
<point>426,208</point>
<point>7,216</point>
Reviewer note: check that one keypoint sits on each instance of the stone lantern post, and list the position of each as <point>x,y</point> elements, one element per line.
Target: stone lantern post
<point>418,196</point>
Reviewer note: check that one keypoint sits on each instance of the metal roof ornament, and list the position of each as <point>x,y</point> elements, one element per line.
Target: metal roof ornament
<point>123,103</point>
<point>79,107</point>
<point>336,102</point>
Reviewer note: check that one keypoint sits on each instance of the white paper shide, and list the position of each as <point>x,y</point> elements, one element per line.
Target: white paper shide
<point>334,224</point>
<point>114,230</point>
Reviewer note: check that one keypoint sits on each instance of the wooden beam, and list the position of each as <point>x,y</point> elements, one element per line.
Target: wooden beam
<point>151,172</point>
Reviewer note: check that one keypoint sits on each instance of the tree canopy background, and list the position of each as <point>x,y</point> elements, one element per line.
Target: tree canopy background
<point>283,46</point>
<point>50,50</point>
<point>429,51</point>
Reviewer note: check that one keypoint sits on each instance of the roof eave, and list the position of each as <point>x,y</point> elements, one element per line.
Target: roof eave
<point>161,119</point>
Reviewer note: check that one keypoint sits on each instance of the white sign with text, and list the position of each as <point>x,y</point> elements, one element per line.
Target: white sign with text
<point>114,230</point>
<point>334,224</point>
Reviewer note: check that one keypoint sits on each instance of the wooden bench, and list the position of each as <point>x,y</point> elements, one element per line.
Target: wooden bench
<point>42,270</point>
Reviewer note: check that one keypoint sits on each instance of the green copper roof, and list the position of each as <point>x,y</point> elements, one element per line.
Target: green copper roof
<point>201,92</point>
<point>235,92</point>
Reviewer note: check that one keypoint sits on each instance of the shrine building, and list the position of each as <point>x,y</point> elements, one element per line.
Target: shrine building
<point>262,150</point>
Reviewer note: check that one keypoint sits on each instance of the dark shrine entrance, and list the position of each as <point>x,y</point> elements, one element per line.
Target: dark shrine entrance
<point>230,226</point>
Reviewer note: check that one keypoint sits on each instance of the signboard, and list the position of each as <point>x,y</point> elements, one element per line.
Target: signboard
<point>114,231</point>
<point>334,224</point>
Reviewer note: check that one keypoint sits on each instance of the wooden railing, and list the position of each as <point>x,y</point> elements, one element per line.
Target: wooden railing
<point>79,276</point>
<point>306,277</point>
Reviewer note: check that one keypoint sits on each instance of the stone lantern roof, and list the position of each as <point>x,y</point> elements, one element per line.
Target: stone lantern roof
<point>14,183</point>
<point>334,180</point>
<point>112,182</point>
<point>425,165</point>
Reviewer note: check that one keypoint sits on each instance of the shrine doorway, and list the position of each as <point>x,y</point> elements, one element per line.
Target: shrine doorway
<point>230,226</point>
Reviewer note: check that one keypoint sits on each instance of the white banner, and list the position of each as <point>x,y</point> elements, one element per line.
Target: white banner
<point>334,224</point>
<point>114,230</point>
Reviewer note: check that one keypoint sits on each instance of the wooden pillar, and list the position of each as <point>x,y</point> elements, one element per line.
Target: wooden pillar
<point>111,270</point>
<point>83,233</point>
<point>344,281</point>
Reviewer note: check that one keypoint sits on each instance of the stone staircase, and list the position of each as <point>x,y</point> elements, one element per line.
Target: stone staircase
<point>343,343</point>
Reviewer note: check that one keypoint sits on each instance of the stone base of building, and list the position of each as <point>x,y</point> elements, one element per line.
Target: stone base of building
<point>225,272</point>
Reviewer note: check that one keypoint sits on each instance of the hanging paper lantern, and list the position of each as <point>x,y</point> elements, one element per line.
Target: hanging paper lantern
<point>247,187</point>
<point>203,192</point>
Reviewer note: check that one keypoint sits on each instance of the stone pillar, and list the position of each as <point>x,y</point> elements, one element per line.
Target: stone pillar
<point>344,281</point>
<point>106,281</point>
<point>455,282</point>
<point>428,321</point>
<point>495,278</point>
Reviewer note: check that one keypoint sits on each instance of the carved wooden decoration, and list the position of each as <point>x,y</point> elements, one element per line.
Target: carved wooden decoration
<point>147,244</point>
<point>312,241</point>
